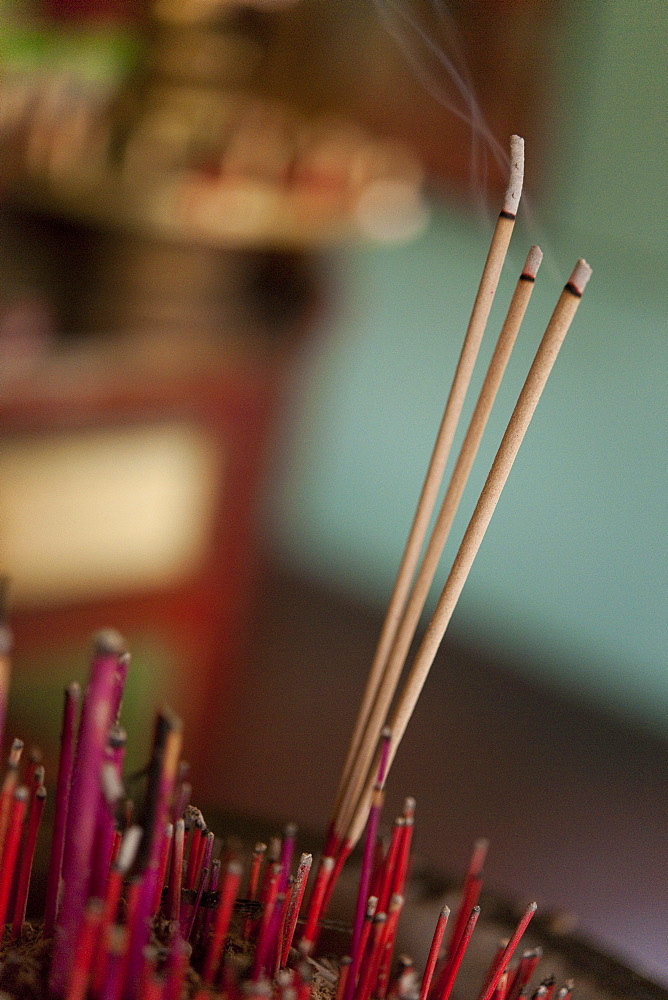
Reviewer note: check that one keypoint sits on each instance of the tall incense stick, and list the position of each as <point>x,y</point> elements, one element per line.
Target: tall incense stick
<point>473,337</point>
<point>468,451</point>
<point>546,355</point>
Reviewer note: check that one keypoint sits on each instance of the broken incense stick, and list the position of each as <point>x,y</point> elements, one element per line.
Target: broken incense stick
<point>525,407</point>
<point>361,749</point>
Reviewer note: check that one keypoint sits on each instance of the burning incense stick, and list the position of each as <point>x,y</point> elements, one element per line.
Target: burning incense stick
<point>364,741</point>
<point>407,627</point>
<point>546,355</point>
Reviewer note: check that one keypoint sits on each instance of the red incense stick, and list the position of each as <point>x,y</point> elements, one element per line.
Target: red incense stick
<point>323,876</point>
<point>507,954</point>
<point>228,894</point>
<point>85,951</point>
<point>6,643</point>
<point>434,952</point>
<point>295,904</point>
<point>176,873</point>
<point>446,979</point>
<point>384,888</point>
<point>253,882</point>
<point>27,856</point>
<point>524,971</point>
<point>17,815</point>
<point>9,786</point>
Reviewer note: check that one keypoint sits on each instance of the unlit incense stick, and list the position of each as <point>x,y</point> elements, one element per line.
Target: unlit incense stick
<point>473,337</point>
<point>546,355</point>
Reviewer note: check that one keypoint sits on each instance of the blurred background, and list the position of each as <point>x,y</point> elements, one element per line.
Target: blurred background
<point>240,244</point>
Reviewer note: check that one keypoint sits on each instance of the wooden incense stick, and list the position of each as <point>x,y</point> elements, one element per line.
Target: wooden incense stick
<point>473,337</point>
<point>546,355</point>
<point>408,625</point>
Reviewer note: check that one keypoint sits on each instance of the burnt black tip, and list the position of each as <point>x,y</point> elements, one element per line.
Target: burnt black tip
<point>504,214</point>
<point>568,287</point>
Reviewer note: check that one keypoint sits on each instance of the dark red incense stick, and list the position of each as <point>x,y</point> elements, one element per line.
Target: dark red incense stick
<point>27,854</point>
<point>67,737</point>
<point>17,813</point>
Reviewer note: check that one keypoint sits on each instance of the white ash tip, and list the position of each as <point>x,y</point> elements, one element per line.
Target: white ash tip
<point>533,261</point>
<point>234,867</point>
<point>516,177</point>
<point>327,864</point>
<point>128,848</point>
<point>109,641</point>
<point>580,276</point>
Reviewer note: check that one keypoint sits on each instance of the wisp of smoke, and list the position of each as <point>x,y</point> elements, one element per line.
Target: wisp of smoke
<point>427,35</point>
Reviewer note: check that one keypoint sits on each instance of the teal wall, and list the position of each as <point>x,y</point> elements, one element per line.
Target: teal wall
<point>571,578</point>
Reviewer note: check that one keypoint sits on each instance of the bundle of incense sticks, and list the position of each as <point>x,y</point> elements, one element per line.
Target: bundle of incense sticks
<point>143,902</point>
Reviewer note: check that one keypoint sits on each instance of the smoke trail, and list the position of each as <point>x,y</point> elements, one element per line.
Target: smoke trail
<point>427,35</point>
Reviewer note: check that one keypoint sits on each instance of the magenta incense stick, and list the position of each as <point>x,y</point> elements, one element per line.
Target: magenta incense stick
<point>96,718</point>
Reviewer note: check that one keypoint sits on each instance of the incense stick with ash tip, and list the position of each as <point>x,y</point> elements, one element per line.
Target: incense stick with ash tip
<point>361,749</point>
<point>525,407</point>
<point>414,607</point>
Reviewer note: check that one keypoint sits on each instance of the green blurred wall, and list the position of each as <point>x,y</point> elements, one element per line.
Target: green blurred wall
<point>571,579</point>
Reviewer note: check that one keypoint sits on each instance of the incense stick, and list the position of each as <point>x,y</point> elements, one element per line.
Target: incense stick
<point>96,718</point>
<point>525,407</point>
<point>467,454</point>
<point>364,741</point>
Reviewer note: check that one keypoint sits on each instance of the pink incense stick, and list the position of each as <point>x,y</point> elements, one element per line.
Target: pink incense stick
<point>287,851</point>
<point>264,936</point>
<point>367,861</point>
<point>112,793</point>
<point>177,964</point>
<point>161,778</point>
<point>70,712</point>
<point>96,717</point>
